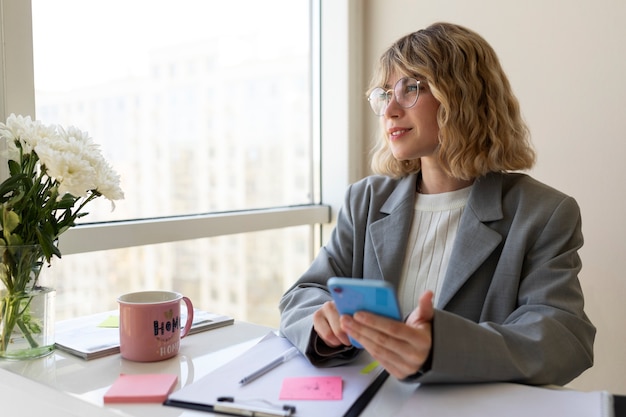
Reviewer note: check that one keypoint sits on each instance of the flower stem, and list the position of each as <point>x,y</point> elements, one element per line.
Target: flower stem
<point>11,315</point>
<point>8,318</point>
<point>27,334</point>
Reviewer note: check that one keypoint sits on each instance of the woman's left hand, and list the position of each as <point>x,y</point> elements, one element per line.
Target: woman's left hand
<point>401,348</point>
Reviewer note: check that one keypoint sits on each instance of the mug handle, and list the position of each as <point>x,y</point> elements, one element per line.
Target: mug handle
<point>189,320</point>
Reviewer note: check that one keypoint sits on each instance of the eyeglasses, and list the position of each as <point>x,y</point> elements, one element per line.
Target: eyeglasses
<point>405,92</point>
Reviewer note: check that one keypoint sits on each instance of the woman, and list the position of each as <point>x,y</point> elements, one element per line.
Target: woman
<point>485,259</point>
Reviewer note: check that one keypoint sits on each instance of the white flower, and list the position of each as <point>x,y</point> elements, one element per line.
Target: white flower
<point>74,174</point>
<point>57,170</point>
<point>68,156</point>
<point>76,163</point>
<point>25,132</point>
<point>108,182</point>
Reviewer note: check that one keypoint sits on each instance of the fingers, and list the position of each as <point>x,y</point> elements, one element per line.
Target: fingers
<point>327,326</point>
<point>424,312</point>
<point>401,348</point>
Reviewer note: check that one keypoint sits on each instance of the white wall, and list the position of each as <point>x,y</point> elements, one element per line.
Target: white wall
<point>566,60</point>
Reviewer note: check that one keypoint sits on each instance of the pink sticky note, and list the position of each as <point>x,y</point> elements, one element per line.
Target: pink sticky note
<point>141,388</point>
<point>312,388</point>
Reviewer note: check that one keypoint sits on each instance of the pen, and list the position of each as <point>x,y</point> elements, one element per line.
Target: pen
<point>273,364</point>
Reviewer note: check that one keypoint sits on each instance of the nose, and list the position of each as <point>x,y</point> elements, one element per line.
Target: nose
<point>393,108</point>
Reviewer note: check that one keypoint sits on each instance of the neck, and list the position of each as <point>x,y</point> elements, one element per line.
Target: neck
<point>437,184</point>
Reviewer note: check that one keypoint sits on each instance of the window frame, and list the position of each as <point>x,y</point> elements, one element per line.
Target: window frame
<point>337,121</point>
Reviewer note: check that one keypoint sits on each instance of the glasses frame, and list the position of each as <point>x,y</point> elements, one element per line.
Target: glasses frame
<point>378,92</point>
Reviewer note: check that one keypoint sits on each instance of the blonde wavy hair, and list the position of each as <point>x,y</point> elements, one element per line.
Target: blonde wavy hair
<point>480,126</point>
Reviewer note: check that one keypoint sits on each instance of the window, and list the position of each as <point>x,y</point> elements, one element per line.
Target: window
<point>203,107</point>
<point>139,253</point>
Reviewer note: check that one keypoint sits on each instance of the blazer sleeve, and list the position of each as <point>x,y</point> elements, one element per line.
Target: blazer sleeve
<point>545,339</point>
<point>310,292</point>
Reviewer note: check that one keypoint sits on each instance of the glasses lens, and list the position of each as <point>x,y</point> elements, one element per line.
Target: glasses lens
<point>406,91</point>
<point>378,101</point>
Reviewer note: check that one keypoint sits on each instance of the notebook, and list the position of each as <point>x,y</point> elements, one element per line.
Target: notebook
<point>97,335</point>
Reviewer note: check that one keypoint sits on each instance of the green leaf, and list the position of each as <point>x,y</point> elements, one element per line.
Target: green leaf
<point>66,202</point>
<point>10,221</point>
<point>11,184</point>
<point>14,168</point>
<point>47,245</point>
<point>14,240</point>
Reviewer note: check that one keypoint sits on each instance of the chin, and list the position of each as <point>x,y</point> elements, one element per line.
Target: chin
<point>404,157</point>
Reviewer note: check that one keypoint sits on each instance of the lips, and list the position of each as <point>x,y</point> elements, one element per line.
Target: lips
<point>397,132</point>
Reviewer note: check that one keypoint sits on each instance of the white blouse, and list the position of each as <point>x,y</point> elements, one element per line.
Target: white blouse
<point>433,230</point>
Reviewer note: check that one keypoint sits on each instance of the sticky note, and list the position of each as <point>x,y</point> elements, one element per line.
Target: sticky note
<point>369,368</point>
<point>312,388</point>
<point>143,388</point>
<point>111,321</point>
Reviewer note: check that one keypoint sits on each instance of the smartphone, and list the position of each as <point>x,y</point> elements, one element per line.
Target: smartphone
<point>372,295</point>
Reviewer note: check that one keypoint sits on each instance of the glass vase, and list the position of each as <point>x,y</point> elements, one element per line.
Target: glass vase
<point>26,304</point>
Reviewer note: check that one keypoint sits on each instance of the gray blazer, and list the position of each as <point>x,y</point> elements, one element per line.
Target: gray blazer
<point>511,306</point>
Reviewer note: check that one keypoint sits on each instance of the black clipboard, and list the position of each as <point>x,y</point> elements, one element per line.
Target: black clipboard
<point>359,405</point>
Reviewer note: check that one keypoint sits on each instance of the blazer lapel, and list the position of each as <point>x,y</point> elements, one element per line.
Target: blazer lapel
<point>389,235</point>
<point>475,241</point>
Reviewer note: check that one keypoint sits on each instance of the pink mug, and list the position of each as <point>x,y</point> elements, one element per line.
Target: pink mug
<point>150,327</point>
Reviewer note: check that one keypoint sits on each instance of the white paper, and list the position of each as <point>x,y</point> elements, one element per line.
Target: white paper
<point>224,381</point>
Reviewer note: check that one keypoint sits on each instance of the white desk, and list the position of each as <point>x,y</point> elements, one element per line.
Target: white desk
<point>64,382</point>
<point>62,385</point>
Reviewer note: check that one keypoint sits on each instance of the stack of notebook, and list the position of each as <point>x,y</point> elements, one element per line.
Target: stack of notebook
<point>97,335</point>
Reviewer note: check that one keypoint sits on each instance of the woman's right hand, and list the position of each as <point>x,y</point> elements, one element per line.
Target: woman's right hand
<point>327,327</point>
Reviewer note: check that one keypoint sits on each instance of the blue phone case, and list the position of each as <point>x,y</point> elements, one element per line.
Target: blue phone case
<point>372,295</point>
